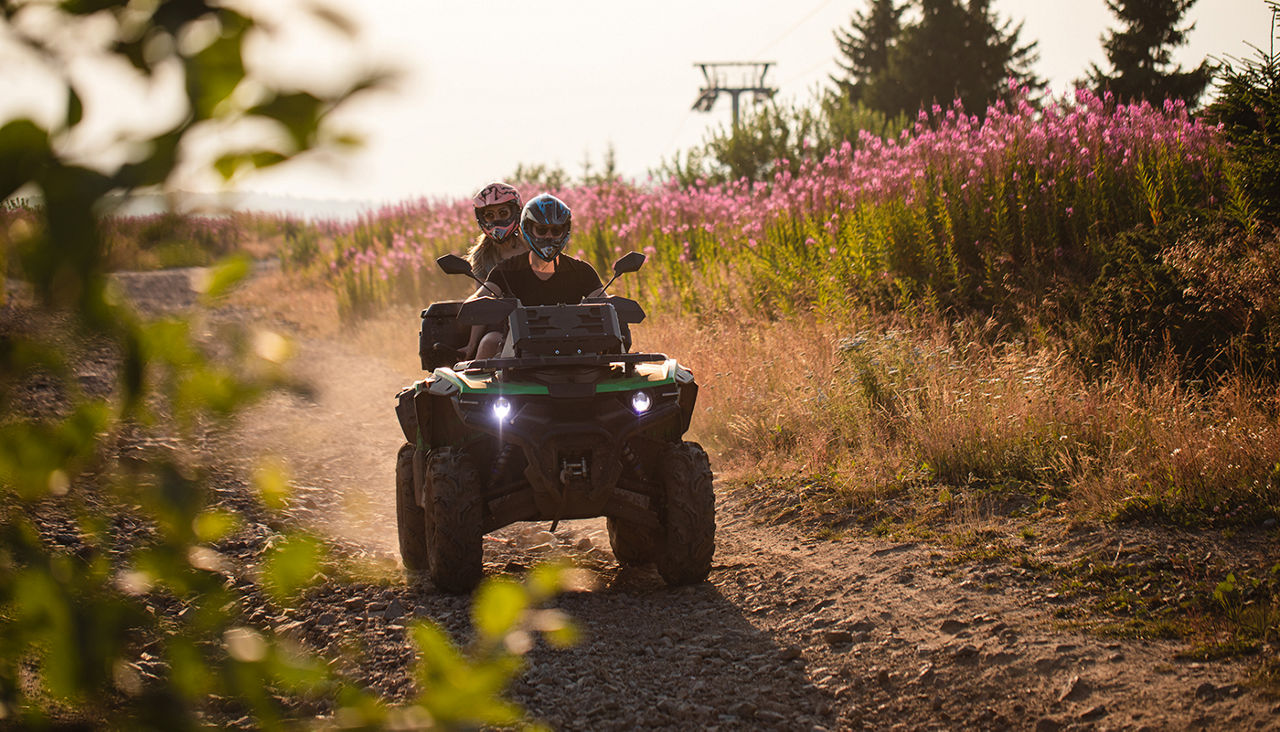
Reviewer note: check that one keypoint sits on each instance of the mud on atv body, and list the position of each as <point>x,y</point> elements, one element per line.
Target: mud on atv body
<point>563,424</point>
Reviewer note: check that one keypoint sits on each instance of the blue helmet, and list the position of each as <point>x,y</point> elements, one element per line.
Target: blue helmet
<point>545,224</point>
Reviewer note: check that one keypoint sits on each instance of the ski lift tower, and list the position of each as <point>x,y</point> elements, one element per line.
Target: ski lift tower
<point>735,79</point>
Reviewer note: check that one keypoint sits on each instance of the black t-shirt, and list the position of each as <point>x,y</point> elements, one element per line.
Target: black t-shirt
<point>573,280</point>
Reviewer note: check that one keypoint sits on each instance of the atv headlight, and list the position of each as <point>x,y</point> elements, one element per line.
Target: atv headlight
<point>501,409</point>
<point>640,402</point>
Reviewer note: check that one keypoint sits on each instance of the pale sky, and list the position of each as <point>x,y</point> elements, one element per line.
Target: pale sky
<point>488,85</point>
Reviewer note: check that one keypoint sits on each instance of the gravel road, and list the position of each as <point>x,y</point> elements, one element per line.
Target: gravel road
<point>787,633</point>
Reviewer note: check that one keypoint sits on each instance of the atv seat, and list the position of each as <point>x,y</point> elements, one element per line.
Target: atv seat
<point>442,336</point>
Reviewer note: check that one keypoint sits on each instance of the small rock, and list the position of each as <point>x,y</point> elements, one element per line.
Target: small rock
<point>1075,690</point>
<point>883,678</point>
<point>1094,712</point>
<point>584,544</point>
<point>862,626</point>
<point>951,626</point>
<point>1269,523</point>
<point>789,653</point>
<point>765,715</point>
<point>743,710</point>
<point>837,637</point>
<point>394,611</point>
<point>1048,724</point>
<point>326,619</point>
<point>965,652</point>
<point>926,675</point>
<point>1207,692</point>
<point>539,538</point>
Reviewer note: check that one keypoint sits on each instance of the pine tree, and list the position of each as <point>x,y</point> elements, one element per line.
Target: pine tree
<point>962,51</point>
<point>953,50</point>
<point>1140,54</point>
<point>865,46</point>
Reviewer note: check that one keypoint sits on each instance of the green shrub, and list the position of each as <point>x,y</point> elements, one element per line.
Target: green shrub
<point>1203,290</point>
<point>1248,108</point>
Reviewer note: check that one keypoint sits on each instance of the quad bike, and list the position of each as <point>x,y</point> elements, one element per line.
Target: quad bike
<point>564,423</point>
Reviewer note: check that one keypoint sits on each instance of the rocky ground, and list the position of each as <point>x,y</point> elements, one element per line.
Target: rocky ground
<point>789,632</point>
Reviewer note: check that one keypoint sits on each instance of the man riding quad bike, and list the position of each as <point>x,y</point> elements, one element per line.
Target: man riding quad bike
<point>564,422</point>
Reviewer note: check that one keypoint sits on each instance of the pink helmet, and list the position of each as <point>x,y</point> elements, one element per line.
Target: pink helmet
<point>497,223</point>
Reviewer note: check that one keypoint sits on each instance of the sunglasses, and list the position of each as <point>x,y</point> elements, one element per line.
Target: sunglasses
<point>548,231</point>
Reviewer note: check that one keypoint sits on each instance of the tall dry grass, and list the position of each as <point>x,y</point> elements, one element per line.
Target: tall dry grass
<point>873,407</point>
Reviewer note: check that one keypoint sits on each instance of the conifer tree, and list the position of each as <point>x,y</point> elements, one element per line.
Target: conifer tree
<point>1140,53</point>
<point>953,49</point>
<point>865,46</point>
<point>962,50</point>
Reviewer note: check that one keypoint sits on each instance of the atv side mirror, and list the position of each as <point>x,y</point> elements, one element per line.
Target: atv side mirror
<point>453,264</point>
<point>630,262</point>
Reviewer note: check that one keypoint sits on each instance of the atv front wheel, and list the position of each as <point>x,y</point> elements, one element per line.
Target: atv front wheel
<point>411,521</point>
<point>455,546</point>
<point>631,544</point>
<point>689,515</point>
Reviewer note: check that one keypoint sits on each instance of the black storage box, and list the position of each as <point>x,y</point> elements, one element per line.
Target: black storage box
<point>442,335</point>
<point>563,330</point>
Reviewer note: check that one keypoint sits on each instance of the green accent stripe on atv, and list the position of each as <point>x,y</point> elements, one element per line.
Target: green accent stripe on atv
<point>647,375</point>
<point>484,383</point>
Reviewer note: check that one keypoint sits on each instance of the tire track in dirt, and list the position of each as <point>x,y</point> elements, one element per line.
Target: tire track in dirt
<point>787,633</point>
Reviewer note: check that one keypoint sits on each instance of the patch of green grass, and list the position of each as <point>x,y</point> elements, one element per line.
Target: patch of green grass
<point>1268,676</point>
<point>1218,650</point>
<point>1172,509</point>
<point>1144,629</point>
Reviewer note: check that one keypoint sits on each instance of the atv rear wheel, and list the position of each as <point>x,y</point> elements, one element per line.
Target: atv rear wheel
<point>631,544</point>
<point>411,520</point>
<point>455,545</point>
<point>689,515</point>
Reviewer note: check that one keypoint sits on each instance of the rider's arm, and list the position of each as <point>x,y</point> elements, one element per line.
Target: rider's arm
<point>591,281</point>
<point>488,289</point>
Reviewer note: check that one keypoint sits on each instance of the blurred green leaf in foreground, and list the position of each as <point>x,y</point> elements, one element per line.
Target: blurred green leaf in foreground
<point>116,607</point>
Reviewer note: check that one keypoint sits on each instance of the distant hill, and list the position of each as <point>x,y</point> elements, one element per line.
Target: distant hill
<point>305,208</point>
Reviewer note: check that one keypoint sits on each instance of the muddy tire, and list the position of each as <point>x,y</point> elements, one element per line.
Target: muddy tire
<point>689,515</point>
<point>411,520</point>
<point>632,545</point>
<point>455,546</point>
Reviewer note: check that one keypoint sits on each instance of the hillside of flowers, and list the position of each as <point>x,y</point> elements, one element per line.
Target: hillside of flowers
<point>958,211</point>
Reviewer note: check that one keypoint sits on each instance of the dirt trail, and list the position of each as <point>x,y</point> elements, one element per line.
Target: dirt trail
<point>787,633</point>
